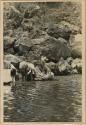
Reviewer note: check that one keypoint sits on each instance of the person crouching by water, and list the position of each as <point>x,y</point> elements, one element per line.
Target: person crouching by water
<point>46,70</point>
<point>31,75</point>
<point>13,74</point>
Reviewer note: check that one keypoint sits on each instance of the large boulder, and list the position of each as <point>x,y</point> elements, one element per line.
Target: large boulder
<point>76,45</point>
<point>50,47</point>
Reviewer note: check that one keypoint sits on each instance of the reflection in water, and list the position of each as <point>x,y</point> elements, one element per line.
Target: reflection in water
<point>54,101</point>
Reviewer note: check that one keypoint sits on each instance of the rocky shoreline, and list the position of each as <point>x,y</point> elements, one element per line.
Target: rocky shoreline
<point>31,33</point>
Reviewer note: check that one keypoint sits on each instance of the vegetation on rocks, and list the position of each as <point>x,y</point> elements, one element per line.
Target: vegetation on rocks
<point>50,29</point>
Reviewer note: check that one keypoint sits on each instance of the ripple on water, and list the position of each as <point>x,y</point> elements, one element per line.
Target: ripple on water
<point>58,100</point>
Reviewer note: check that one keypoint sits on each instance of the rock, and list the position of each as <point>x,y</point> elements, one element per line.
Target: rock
<point>27,25</point>
<point>64,67</point>
<point>15,16</point>
<point>12,58</point>
<point>52,67</point>
<point>32,11</point>
<point>41,76</point>
<point>62,40</point>
<point>69,60</point>
<point>75,29</point>
<point>50,47</point>
<point>49,76</point>
<point>76,45</point>
<point>77,64</point>
<point>22,46</point>
<point>8,43</point>
<point>74,71</point>
<point>56,31</point>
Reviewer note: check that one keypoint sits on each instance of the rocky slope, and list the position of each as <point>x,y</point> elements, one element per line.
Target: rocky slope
<point>35,29</point>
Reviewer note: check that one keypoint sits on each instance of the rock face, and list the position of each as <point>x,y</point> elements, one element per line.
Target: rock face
<point>29,35</point>
<point>76,45</point>
<point>50,47</point>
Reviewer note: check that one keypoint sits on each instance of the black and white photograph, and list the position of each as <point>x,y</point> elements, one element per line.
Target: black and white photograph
<point>42,61</point>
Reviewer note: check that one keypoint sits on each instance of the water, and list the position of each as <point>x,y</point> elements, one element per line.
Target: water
<point>44,101</point>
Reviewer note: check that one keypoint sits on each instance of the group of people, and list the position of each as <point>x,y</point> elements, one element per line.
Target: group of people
<point>29,71</point>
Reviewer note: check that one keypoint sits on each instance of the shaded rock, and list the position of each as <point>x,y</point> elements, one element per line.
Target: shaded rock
<point>64,67</point>
<point>77,64</point>
<point>69,60</point>
<point>8,43</point>
<point>76,45</point>
<point>56,31</point>
<point>74,71</point>
<point>22,46</point>
<point>50,47</point>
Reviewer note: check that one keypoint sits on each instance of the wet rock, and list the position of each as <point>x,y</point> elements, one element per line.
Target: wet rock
<point>49,76</point>
<point>64,67</point>
<point>42,76</point>
<point>76,45</point>
<point>74,71</point>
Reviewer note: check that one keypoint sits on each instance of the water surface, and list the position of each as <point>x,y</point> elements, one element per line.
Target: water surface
<point>44,101</point>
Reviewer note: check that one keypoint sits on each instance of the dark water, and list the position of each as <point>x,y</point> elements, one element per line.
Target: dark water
<point>51,101</point>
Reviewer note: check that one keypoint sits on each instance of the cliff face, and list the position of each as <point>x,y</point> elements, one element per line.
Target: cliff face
<point>41,29</point>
